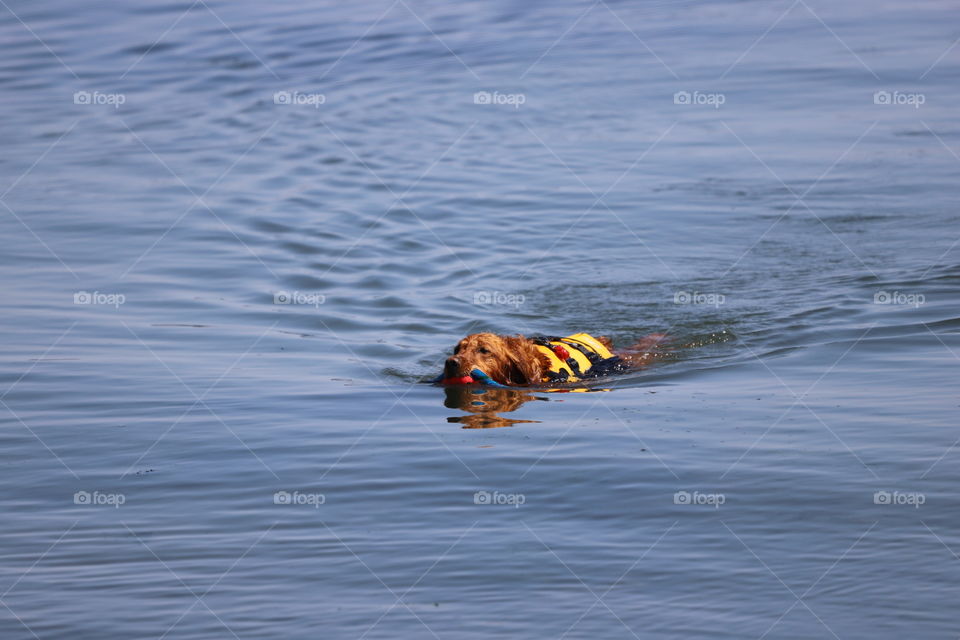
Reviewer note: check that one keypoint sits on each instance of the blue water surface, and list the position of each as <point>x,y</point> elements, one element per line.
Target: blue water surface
<point>238,235</point>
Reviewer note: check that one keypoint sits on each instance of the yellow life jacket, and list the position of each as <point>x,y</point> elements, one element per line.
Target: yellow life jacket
<point>584,353</point>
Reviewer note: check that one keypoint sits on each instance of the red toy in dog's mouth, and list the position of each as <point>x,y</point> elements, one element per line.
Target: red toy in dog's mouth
<point>461,380</point>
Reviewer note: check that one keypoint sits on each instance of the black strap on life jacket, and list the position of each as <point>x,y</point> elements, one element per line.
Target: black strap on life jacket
<point>609,366</point>
<point>585,349</point>
<point>574,366</point>
<point>558,377</point>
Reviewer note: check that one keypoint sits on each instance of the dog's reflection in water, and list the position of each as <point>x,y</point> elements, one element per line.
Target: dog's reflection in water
<point>485,404</point>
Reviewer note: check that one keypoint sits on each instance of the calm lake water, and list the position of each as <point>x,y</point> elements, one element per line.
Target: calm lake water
<point>238,236</point>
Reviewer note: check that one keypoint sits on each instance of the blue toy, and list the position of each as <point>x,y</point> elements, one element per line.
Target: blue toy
<point>482,378</point>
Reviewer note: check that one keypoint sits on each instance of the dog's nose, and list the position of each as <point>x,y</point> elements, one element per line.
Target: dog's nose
<point>451,366</point>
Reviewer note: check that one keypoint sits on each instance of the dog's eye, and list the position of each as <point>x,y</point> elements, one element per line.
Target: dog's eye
<point>483,350</point>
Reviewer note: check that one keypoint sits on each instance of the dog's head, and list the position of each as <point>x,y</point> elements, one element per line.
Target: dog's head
<point>510,360</point>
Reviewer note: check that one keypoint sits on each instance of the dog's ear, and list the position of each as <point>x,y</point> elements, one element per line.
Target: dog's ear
<point>527,364</point>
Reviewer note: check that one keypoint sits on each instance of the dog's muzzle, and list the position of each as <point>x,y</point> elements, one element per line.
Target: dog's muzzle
<point>452,375</point>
